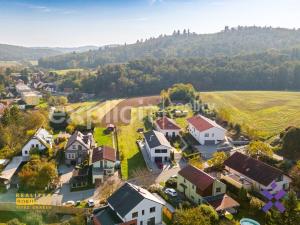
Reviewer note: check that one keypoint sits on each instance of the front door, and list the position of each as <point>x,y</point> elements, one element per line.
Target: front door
<point>151,221</point>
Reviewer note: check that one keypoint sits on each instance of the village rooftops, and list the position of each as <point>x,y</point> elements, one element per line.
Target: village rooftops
<point>202,123</point>
<point>253,168</point>
<point>155,139</point>
<point>166,123</point>
<point>104,153</point>
<point>127,197</point>
<point>202,181</point>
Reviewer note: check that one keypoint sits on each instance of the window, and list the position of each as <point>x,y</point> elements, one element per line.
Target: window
<point>152,209</point>
<point>157,150</point>
<point>37,145</point>
<point>164,151</point>
<point>143,212</point>
<point>26,152</point>
<point>193,186</point>
<point>32,145</point>
<point>135,214</point>
<point>79,147</point>
<point>141,223</point>
<point>74,146</point>
<point>184,180</point>
<point>206,135</point>
<point>212,134</point>
<point>218,189</point>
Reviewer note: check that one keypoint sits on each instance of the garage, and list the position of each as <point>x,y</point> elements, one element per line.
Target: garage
<point>158,159</point>
<point>209,142</point>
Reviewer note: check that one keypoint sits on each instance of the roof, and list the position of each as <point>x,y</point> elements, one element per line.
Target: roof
<point>81,138</point>
<point>253,168</point>
<point>155,138</point>
<point>166,123</point>
<point>106,216</point>
<point>224,203</point>
<point>104,152</point>
<point>43,136</point>
<point>131,195</point>
<point>202,181</point>
<point>11,168</point>
<point>202,123</point>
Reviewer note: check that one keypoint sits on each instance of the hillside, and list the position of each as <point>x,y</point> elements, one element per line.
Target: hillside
<point>230,42</point>
<point>259,112</point>
<point>15,53</point>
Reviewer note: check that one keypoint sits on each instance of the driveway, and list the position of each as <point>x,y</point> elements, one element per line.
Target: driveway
<point>150,165</point>
<point>63,193</point>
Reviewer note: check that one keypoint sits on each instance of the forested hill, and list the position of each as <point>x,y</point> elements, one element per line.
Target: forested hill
<point>229,42</point>
<point>270,70</point>
<point>15,53</point>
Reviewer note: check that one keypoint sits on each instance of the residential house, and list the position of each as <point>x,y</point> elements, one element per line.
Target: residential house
<point>247,172</point>
<point>31,98</point>
<point>205,130</point>
<point>103,160</point>
<point>130,205</point>
<point>157,146</point>
<point>167,126</point>
<point>79,147</point>
<point>41,140</point>
<point>200,187</point>
<point>80,178</point>
<point>10,170</point>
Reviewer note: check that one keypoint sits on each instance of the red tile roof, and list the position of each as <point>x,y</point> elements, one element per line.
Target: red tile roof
<point>103,152</point>
<point>253,168</point>
<point>202,123</point>
<point>167,124</point>
<point>202,181</point>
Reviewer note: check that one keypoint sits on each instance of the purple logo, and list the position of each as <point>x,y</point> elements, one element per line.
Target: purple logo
<point>273,199</point>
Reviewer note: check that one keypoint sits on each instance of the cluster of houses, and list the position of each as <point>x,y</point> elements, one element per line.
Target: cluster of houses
<point>80,151</point>
<point>204,130</point>
<point>29,97</point>
<point>134,205</point>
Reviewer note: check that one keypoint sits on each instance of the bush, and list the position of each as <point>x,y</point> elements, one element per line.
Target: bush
<point>171,183</point>
<point>255,204</point>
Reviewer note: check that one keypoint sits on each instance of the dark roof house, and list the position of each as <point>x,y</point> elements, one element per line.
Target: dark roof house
<point>166,123</point>
<point>253,168</point>
<point>103,153</point>
<point>155,139</point>
<point>202,181</point>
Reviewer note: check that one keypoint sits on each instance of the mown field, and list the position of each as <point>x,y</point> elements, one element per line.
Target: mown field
<point>267,112</point>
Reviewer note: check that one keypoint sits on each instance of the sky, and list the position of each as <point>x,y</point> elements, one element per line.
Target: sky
<point>71,23</point>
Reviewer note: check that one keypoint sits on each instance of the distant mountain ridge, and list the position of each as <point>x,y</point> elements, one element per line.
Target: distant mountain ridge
<point>184,44</point>
<point>17,53</point>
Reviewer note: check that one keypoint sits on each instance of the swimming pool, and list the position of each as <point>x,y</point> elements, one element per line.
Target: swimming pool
<point>247,221</point>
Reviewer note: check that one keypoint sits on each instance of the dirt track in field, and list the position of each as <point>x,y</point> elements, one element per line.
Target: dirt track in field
<point>121,114</point>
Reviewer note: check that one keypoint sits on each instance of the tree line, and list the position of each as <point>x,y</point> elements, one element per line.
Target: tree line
<point>271,70</point>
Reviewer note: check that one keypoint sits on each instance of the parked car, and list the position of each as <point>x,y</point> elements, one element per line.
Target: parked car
<point>69,203</point>
<point>171,191</point>
<point>91,203</point>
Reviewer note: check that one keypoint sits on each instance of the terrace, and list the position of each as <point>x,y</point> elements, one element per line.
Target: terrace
<point>237,181</point>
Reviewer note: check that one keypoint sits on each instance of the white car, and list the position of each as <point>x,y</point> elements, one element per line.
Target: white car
<point>171,191</point>
<point>69,203</point>
<point>91,203</point>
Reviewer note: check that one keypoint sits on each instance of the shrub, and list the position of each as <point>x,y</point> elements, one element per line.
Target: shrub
<point>171,183</point>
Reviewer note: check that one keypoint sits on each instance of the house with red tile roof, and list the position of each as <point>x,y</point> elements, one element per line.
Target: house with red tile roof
<point>103,161</point>
<point>205,130</point>
<point>167,126</point>
<point>200,187</point>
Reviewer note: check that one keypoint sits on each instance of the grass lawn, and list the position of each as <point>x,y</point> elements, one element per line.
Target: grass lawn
<point>132,158</point>
<point>64,72</point>
<point>267,112</point>
<point>95,110</point>
<point>101,138</point>
<point>181,121</point>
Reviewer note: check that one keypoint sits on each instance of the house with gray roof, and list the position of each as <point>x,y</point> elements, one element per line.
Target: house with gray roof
<point>158,147</point>
<point>130,204</point>
<point>79,147</point>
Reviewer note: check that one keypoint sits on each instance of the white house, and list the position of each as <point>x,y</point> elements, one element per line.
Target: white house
<point>157,145</point>
<point>245,171</point>
<point>103,160</point>
<point>167,126</point>
<point>130,205</point>
<point>205,131</point>
<point>41,140</point>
